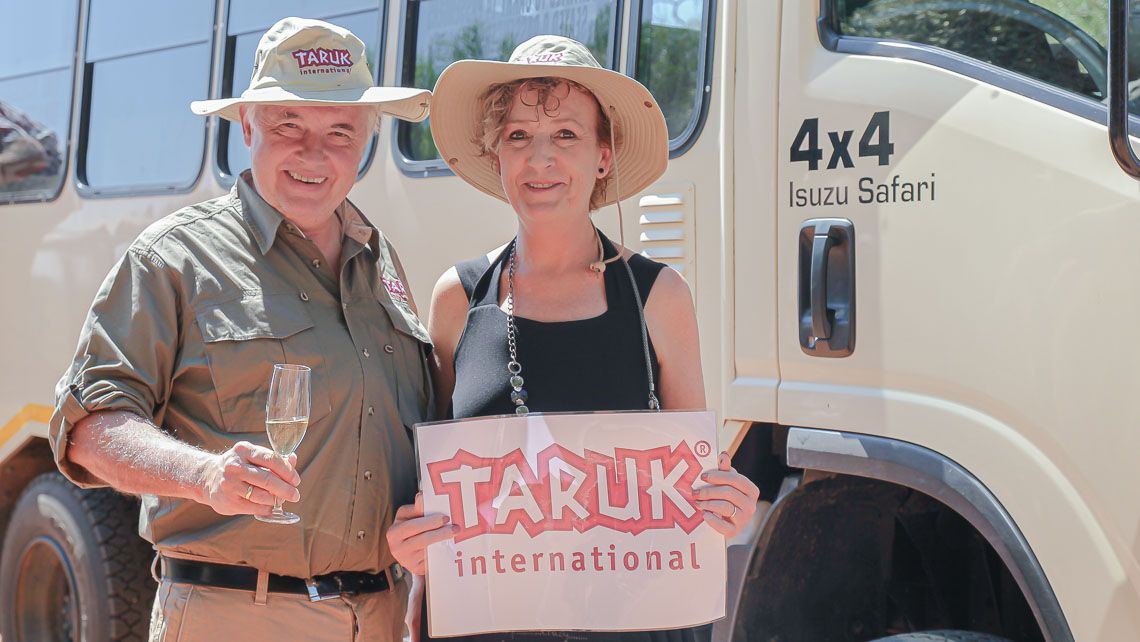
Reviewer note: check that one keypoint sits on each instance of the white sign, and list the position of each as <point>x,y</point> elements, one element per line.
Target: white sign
<point>571,522</point>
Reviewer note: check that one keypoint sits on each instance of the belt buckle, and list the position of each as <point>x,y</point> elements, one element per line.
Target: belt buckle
<point>315,594</point>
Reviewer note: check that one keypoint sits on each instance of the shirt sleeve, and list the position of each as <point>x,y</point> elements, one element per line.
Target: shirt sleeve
<point>126,353</point>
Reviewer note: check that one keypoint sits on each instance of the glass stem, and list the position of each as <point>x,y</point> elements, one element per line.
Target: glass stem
<point>277,507</point>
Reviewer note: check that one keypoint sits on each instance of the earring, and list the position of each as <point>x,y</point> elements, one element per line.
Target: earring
<point>601,171</point>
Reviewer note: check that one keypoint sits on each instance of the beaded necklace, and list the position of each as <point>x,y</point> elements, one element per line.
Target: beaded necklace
<point>519,395</point>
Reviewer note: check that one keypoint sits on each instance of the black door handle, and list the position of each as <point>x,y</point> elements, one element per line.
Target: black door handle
<point>820,325</point>
<point>827,287</point>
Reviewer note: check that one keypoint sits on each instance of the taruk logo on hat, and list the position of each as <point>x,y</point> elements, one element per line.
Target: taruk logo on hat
<point>339,59</point>
<point>544,58</point>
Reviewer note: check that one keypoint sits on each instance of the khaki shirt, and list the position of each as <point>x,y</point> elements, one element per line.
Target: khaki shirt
<point>185,331</point>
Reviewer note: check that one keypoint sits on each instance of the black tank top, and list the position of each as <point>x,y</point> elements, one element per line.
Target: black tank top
<point>588,364</point>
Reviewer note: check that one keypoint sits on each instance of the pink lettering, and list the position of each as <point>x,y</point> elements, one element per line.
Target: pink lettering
<point>322,57</point>
<point>545,58</point>
<point>630,492</point>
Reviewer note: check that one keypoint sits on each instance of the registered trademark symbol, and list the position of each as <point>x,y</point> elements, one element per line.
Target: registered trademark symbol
<point>703,448</point>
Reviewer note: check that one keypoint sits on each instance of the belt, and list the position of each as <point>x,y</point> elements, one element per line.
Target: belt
<point>244,578</point>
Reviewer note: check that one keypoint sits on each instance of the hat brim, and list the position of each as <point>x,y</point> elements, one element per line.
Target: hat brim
<point>643,146</point>
<point>405,103</point>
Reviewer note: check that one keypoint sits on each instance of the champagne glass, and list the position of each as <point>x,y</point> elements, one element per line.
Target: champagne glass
<point>286,418</point>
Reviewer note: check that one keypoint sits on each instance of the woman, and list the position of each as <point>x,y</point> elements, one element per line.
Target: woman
<point>582,324</point>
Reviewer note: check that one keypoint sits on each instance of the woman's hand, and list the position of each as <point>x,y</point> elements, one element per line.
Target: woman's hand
<point>729,501</point>
<point>411,533</point>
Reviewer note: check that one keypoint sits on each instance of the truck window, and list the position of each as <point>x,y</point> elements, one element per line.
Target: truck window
<point>35,98</point>
<point>672,50</point>
<point>439,32</point>
<point>1059,42</point>
<point>247,21</point>
<point>144,63</point>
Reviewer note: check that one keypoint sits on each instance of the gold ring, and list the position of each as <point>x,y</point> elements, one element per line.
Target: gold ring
<point>248,492</point>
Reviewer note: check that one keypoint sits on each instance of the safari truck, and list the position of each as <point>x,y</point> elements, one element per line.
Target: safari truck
<point>910,229</point>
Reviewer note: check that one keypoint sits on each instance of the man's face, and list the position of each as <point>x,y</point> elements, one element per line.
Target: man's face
<point>304,159</point>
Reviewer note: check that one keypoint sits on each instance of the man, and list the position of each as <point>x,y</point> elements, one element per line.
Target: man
<point>27,147</point>
<point>166,395</point>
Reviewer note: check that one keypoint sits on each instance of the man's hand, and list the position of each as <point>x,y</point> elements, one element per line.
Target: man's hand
<point>411,533</point>
<point>246,479</point>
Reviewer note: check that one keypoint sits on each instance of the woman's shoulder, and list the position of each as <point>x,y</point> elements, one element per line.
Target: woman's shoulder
<point>649,274</point>
<point>467,274</point>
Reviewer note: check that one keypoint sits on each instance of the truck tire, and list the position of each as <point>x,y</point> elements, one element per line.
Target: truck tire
<point>73,567</point>
<point>943,636</point>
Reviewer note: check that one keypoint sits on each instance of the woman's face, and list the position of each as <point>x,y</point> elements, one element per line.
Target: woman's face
<point>549,158</point>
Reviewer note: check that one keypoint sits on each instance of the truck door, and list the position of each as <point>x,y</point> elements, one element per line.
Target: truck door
<point>956,264</point>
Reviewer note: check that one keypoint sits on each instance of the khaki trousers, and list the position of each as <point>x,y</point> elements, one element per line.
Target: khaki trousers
<point>189,613</point>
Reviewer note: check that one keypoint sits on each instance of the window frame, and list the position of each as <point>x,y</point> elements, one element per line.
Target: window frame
<point>1027,86</point>
<point>705,58</point>
<point>47,196</point>
<point>224,70</point>
<point>437,167</point>
<point>82,187</point>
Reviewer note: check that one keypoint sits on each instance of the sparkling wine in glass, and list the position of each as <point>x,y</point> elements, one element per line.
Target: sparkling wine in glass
<point>286,418</point>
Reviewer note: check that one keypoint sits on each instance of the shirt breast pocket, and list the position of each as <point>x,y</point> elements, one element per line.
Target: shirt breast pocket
<point>243,339</point>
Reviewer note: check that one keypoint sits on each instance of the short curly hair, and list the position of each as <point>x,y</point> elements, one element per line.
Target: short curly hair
<point>495,105</point>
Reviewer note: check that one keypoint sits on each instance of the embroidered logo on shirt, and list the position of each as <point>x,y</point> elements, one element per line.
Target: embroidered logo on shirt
<point>331,60</point>
<point>395,289</point>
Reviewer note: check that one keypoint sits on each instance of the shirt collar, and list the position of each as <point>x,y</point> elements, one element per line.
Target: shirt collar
<point>262,218</point>
<point>265,220</point>
<point>357,227</point>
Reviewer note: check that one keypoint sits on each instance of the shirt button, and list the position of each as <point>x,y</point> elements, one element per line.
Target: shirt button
<point>368,474</point>
<point>365,351</point>
<point>371,411</point>
<point>389,349</point>
<point>345,306</point>
<point>359,534</point>
<point>291,227</point>
<point>304,295</point>
<point>317,263</point>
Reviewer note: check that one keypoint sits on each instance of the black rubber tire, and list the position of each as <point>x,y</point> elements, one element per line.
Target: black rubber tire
<point>943,636</point>
<point>73,566</point>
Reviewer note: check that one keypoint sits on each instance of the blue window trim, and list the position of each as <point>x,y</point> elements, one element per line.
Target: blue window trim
<point>80,178</point>
<point>436,167</point>
<point>224,71</point>
<point>1087,108</point>
<point>46,196</point>
<point>696,124</point>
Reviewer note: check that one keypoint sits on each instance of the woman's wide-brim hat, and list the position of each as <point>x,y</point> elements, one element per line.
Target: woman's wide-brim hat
<point>642,152</point>
<point>308,63</point>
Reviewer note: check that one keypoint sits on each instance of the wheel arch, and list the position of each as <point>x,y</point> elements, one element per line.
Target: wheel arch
<point>885,464</point>
<point>17,470</point>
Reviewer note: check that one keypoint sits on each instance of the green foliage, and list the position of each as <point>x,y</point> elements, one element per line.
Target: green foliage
<point>1090,15</point>
<point>1014,43</point>
<point>668,65</point>
<point>599,44</point>
<point>467,44</point>
<point>507,46</point>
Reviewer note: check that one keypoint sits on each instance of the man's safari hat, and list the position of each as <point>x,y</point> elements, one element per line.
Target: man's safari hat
<point>642,149</point>
<point>312,63</point>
